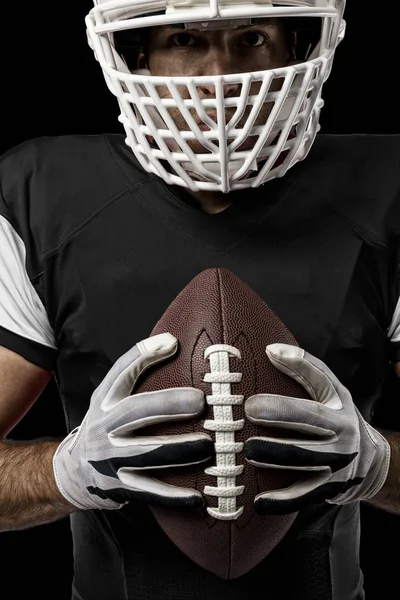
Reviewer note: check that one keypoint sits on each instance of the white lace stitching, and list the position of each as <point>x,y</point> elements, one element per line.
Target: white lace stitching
<point>226,470</point>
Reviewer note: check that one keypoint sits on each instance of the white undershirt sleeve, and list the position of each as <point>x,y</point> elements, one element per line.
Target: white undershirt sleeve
<point>21,310</point>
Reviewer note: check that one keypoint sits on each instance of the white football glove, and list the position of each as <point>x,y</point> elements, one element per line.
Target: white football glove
<point>105,462</point>
<point>339,457</point>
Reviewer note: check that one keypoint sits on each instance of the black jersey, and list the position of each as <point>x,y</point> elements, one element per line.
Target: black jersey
<point>93,250</point>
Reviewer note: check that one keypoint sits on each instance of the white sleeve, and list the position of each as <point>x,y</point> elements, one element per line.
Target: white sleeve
<point>21,310</point>
<point>394,328</point>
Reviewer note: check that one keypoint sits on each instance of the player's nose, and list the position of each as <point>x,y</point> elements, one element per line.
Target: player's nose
<point>229,90</point>
<point>220,64</point>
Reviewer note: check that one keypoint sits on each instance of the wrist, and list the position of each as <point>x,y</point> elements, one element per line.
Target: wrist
<point>379,470</point>
<point>388,497</point>
<point>64,470</point>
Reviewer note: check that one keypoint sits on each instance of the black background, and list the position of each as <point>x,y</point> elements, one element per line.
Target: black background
<point>51,85</point>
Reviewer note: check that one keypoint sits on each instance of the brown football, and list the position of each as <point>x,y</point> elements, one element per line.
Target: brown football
<point>222,326</point>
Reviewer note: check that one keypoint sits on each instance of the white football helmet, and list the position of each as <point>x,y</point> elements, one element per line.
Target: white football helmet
<point>226,162</point>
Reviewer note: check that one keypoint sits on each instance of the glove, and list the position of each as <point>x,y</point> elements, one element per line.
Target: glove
<point>104,463</point>
<point>339,457</point>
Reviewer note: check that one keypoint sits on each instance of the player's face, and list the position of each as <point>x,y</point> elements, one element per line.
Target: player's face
<point>178,52</point>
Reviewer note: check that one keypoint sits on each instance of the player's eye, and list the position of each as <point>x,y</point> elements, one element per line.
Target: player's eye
<point>183,39</point>
<point>253,39</point>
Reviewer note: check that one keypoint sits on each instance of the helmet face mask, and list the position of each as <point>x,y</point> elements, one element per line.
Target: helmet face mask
<point>220,140</point>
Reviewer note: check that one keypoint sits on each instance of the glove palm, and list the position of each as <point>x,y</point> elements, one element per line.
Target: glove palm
<point>104,463</point>
<point>339,457</point>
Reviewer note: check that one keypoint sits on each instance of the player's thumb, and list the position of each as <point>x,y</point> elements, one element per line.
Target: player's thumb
<point>310,372</point>
<point>121,379</point>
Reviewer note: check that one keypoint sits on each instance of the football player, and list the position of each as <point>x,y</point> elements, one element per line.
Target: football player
<point>221,164</point>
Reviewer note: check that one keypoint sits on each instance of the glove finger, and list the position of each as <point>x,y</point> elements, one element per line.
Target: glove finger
<point>120,380</point>
<point>317,487</point>
<point>152,452</point>
<point>316,378</point>
<point>312,489</point>
<point>122,488</point>
<point>306,416</point>
<point>267,452</point>
<point>156,492</point>
<point>150,408</point>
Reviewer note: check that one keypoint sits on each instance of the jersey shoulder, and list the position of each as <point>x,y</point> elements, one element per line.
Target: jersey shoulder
<point>358,175</point>
<point>51,185</point>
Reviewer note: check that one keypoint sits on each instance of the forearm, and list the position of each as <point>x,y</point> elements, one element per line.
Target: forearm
<point>388,498</point>
<point>29,495</point>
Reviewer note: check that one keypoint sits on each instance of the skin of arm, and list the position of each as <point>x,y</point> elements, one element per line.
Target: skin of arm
<point>29,494</point>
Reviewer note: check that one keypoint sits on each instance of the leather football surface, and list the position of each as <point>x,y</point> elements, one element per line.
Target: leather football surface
<point>223,328</point>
